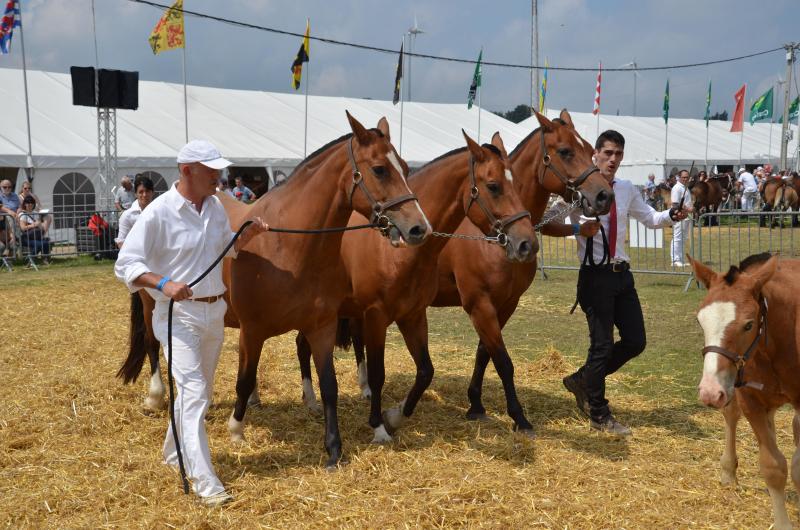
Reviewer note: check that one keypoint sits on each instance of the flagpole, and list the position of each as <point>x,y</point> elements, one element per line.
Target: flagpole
<point>185,98</point>
<point>480,92</point>
<point>308,74</point>
<point>741,141</point>
<point>706,147</point>
<point>402,45</point>
<point>666,135</point>
<point>708,113</point>
<point>30,169</point>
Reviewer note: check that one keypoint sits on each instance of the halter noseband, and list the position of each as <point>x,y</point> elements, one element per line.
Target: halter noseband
<point>378,216</point>
<point>498,225</point>
<point>740,360</point>
<point>570,185</point>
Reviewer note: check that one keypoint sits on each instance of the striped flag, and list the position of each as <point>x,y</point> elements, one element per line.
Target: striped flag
<point>543,88</point>
<point>10,21</point>
<point>596,109</point>
<point>169,33</point>
<point>302,57</point>
<point>398,76</point>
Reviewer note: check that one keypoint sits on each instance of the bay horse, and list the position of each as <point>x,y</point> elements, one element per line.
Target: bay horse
<point>472,186</point>
<point>707,195</point>
<point>663,196</point>
<point>752,361</point>
<point>142,341</point>
<point>779,196</point>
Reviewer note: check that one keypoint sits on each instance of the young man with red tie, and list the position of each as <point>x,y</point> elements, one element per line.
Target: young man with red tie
<point>606,291</point>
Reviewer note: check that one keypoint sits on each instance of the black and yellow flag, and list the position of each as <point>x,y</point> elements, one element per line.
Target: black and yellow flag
<point>398,76</point>
<point>302,57</point>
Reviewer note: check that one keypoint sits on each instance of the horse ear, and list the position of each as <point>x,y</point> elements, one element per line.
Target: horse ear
<point>361,134</point>
<point>498,143</point>
<point>474,148</point>
<point>701,272</point>
<point>546,124</point>
<point>566,118</point>
<point>764,273</point>
<point>383,126</point>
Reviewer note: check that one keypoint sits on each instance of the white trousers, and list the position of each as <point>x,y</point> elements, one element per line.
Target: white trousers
<point>197,334</point>
<point>679,234</point>
<point>749,200</point>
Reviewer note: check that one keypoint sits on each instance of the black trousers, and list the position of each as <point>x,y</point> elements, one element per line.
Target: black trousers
<point>608,299</point>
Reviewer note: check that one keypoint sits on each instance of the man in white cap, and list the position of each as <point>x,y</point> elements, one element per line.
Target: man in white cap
<point>749,187</point>
<point>176,238</point>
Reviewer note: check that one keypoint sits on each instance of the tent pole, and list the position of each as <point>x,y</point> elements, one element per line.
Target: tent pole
<point>30,169</point>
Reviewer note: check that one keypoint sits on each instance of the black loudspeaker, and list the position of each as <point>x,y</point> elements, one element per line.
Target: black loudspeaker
<point>118,89</point>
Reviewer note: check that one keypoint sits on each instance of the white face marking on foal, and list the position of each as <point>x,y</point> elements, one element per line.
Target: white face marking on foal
<point>714,318</point>
<point>509,176</point>
<point>578,138</point>
<point>396,164</point>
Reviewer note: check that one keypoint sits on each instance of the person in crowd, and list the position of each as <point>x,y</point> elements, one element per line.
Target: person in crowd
<point>224,187</point>
<point>650,190</point>
<point>681,198</point>
<point>7,240</point>
<point>10,202</point>
<point>702,176</point>
<point>124,196</point>
<point>242,192</point>
<point>606,291</point>
<point>176,239</point>
<point>746,182</point>
<point>143,187</point>
<point>27,189</point>
<point>34,228</point>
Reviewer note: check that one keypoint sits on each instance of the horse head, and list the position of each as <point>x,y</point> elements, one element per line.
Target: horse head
<point>379,190</point>
<point>499,210</point>
<point>733,318</point>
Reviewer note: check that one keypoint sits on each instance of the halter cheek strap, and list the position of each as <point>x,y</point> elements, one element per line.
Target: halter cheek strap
<point>571,185</point>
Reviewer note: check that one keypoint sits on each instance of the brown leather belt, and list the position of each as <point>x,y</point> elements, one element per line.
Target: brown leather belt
<point>207,299</point>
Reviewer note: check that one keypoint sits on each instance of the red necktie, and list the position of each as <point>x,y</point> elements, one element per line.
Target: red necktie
<point>612,229</point>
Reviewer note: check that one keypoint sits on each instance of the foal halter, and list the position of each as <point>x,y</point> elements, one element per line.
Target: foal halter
<point>378,217</point>
<point>498,225</point>
<point>570,185</point>
<point>740,360</point>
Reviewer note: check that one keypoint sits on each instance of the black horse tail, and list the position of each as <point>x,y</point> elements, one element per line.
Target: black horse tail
<point>344,337</point>
<point>132,367</point>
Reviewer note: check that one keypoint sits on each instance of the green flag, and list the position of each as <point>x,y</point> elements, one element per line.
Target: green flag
<point>708,104</point>
<point>666,102</point>
<point>476,82</point>
<point>761,110</point>
<point>794,110</point>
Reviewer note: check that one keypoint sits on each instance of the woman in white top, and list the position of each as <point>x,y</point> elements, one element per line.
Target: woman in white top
<point>34,227</point>
<point>143,188</point>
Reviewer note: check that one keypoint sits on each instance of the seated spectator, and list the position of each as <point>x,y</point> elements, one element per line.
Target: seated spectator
<point>242,192</point>
<point>143,186</point>
<point>102,237</point>
<point>26,190</point>
<point>7,241</point>
<point>34,227</point>
<point>9,201</point>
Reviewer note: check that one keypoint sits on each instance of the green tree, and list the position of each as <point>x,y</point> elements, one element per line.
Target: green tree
<point>719,116</point>
<point>520,113</point>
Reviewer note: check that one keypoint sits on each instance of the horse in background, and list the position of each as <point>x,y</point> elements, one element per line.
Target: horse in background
<point>751,361</point>
<point>663,196</point>
<point>142,342</point>
<point>708,195</point>
<point>779,196</point>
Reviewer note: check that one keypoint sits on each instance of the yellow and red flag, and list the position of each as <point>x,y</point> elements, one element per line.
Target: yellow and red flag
<point>168,33</point>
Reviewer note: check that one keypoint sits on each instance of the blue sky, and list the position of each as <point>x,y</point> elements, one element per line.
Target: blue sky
<point>58,33</point>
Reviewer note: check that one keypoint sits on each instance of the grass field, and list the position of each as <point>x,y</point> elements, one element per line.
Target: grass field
<point>78,451</point>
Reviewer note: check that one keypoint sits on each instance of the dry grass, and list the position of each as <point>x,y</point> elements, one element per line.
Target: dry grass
<point>77,450</point>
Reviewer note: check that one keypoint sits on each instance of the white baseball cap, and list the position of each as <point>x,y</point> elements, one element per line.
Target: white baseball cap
<point>204,152</point>
<point>759,168</point>
<point>742,170</point>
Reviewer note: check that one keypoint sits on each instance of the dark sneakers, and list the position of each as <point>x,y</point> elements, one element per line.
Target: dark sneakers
<point>610,426</point>
<point>574,384</point>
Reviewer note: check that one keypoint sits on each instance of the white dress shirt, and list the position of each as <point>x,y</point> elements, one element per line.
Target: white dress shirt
<point>748,182</point>
<point>629,203</point>
<point>126,221</point>
<point>680,193</point>
<point>172,239</point>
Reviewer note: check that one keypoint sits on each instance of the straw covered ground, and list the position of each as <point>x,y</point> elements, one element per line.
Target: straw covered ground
<point>78,451</point>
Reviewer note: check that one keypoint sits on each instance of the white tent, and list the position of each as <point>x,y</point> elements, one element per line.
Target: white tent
<point>644,142</point>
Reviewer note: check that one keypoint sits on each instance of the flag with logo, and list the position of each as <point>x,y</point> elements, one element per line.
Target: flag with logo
<point>168,33</point>
<point>794,110</point>
<point>10,21</point>
<point>666,102</point>
<point>543,88</point>
<point>596,108</point>
<point>476,82</point>
<point>738,114</point>
<point>761,109</point>
<point>708,104</point>
<point>398,76</point>
<point>302,57</point>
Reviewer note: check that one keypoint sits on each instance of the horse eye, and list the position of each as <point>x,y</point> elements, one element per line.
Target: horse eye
<point>380,171</point>
<point>565,153</point>
<point>748,326</point>
<point>494,187</point>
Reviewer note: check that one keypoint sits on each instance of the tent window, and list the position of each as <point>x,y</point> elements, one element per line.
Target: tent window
<point>73,200</point>
<point>159,184</point>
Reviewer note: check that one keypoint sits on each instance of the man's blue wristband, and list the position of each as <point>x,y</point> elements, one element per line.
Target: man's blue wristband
<point>160,285</point>
<point>576,229</point>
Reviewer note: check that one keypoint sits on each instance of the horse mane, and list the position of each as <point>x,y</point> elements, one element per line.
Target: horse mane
<point>455,151</point>
<point>524,140</point>
<point>746,264</point>
<point>325,148</point>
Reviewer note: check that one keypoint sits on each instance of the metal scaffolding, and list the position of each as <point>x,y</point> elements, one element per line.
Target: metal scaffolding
<point>107,155</point>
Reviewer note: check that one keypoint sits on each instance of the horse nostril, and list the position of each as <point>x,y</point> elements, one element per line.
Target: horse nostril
<point>602,197</point>
<point>417,232</point>
<point>524,249</point>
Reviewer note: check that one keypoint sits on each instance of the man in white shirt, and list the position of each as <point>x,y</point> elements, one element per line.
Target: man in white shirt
<point>681,198</point>
<point>747,183</point>
<point>606,291</point>
<point>124,196</point>
<point>175,239</point>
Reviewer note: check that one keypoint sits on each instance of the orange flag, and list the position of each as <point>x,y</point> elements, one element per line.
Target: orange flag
<point>738,114</point>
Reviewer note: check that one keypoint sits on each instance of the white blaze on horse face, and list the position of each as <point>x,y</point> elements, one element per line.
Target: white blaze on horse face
<point>509,176</point>
<point>396,164</point>
<point>714,319</point>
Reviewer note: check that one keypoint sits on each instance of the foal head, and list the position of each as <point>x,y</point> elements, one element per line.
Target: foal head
<point>382,193</point>
<point>731,317</point>
<point>491,202</point>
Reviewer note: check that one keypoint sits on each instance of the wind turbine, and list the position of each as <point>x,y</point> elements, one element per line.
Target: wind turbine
<point>412,33</point>
<point>633,66</point>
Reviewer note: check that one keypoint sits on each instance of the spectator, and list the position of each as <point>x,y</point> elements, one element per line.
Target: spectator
<point>34,227</point>
<point>143,186</point>
<point>650,190</point>
<point>7,241</point>
<point>124,196</point>
<point>224,187</point>
<point>102,237</point>
<point>702,176</point>
<point>681,199</point>
<point>28,190</point>
<point>9,201</point>
<point>242,192</point>
<point>747,183</point>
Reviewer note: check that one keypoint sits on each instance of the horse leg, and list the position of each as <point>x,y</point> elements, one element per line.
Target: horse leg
<point>415,334</point>
<point>356,329</point>
<point>156,390</point>
<point>772,463</point>
<point>476,410</point>
<point>321,341</point>
<point>796,456</point>
<point>251,341</point>
<point>304,356</point>
<point>375,343</point>
<point>729,461</point>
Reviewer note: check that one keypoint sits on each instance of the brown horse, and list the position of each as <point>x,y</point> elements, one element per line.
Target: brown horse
<point>141,342</point>
<point>663,196</point>
<point>779,196</point>
<point>707,195</point>
<point>472,185</point>
<point>752,362</point>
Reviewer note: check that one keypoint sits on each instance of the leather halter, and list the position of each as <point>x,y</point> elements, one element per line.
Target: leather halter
<point>378,216</point>
<point>570,185</point>
<point>740,360</point>
<point>498,225</point>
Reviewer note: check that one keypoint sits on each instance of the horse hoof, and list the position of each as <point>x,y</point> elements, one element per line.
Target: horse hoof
<point>254,403</point>
<point>477,415</point>
<point>313,407</point>
<point>525,433</point>
<point>334,463</point>
<point>394,417</point>
<point>727,479</point>
<point>366,393</point>
<point>155,403</point>
<point>236,430</point>
<point>381,436</point>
